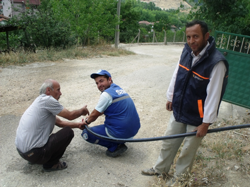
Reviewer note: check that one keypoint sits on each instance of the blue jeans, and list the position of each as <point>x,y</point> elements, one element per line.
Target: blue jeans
<point>100,129</point>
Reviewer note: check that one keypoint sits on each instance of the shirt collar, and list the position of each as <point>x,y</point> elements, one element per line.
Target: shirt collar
<point>202,52</point>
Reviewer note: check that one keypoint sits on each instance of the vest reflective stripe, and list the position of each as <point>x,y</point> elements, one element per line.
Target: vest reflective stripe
<point>193,72</point>
<point>120,98</point>
<point>200,75</point>
<point>184,67</point>
<point>200,108</point>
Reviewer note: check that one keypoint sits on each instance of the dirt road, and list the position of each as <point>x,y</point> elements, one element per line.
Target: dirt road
<point>145,76</point>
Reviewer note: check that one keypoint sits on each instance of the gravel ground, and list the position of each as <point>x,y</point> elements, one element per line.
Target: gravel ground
<point>145,76</point>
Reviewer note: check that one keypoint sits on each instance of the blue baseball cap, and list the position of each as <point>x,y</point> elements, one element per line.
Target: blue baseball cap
<point>100,72</point>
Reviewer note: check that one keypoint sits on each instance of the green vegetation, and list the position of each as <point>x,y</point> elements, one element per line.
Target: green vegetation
<point>228,16</point>
<point>163,19</point>
<point>64,23</point>
<point>129,22</point>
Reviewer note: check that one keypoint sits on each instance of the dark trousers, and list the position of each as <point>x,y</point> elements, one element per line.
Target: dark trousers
<point>52,151</point>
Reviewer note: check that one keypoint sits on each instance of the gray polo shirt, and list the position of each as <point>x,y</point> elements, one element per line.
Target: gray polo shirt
<point>37,123</point>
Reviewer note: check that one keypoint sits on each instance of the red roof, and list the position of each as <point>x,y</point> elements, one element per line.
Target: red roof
<point>2,18</point>
<point>146,23</point>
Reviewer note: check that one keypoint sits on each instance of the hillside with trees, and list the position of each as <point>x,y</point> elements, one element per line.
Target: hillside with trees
<point>169,4</point>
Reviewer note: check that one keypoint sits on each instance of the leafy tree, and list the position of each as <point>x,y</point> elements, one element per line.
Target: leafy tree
<point>151,6</point>
<point>130,18</point>
<point>176,21</point>
<point>229,16</point>
<point>162,22</point>
<point>88,19</point>
<point>41,28</point>
<point>160,15</point>
<point>147,15</point>
<point>13,40</point>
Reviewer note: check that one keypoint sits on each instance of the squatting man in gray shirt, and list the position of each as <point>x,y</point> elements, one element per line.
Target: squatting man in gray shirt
<point>34,141</point>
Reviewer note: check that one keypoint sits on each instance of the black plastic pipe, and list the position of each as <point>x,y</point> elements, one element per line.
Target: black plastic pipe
<point>165,137</point>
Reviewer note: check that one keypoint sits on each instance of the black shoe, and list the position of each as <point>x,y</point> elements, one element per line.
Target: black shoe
<point>121,148</point>
<point>59,166</point>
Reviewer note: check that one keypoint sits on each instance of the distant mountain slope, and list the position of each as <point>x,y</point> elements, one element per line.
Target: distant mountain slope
<point>168,4</point>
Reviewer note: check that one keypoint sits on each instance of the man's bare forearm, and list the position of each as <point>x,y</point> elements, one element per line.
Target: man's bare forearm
<point>93,116</point>
<point>71,115</point>
<point>76,113</point>
<point>61,123</point>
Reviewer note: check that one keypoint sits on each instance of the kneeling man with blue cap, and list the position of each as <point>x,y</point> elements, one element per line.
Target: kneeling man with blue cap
<point>121,117</point>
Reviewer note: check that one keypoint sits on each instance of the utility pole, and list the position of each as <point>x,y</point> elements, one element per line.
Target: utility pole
<point>117,33</point>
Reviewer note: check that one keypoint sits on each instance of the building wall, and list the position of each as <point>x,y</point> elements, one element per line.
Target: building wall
<point>14,7</point>
<point>18,8</point>
<point>7,8</point>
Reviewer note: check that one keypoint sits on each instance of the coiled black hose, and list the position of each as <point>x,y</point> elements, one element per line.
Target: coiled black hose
<point>166,137</point>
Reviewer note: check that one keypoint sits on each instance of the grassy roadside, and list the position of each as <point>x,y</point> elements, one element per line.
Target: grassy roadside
<point>21,57</point>
<point>219,155</point>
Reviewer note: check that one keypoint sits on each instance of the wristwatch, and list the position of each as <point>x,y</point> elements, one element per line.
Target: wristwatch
<point>86,121</point>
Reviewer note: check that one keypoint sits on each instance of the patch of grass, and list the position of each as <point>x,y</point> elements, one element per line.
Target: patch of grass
<point>75,52</point>
<point>219,149</point>
<point>218,154</point>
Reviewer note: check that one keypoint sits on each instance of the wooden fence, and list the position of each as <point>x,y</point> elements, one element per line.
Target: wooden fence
<point>160,37</point>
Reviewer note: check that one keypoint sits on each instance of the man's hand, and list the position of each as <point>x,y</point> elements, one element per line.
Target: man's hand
<point>61,123</point>
<point>81,125</point>
<point>83,121</point>
<point>202,129</point>
<point>85,111</point>
<point>169,106</point>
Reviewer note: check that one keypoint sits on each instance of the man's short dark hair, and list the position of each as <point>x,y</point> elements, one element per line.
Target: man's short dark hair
<point>204,27</point>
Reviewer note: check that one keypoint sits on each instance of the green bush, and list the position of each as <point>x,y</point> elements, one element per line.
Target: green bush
<point>40,28</point>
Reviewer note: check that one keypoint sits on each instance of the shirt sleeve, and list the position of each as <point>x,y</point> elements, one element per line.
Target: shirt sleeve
<point>170,91</point>
<point>104,102</point>
<point>214,87</point>
<point>53,105</point>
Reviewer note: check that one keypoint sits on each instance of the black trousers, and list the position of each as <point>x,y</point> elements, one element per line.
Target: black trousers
<point>52,151</point>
